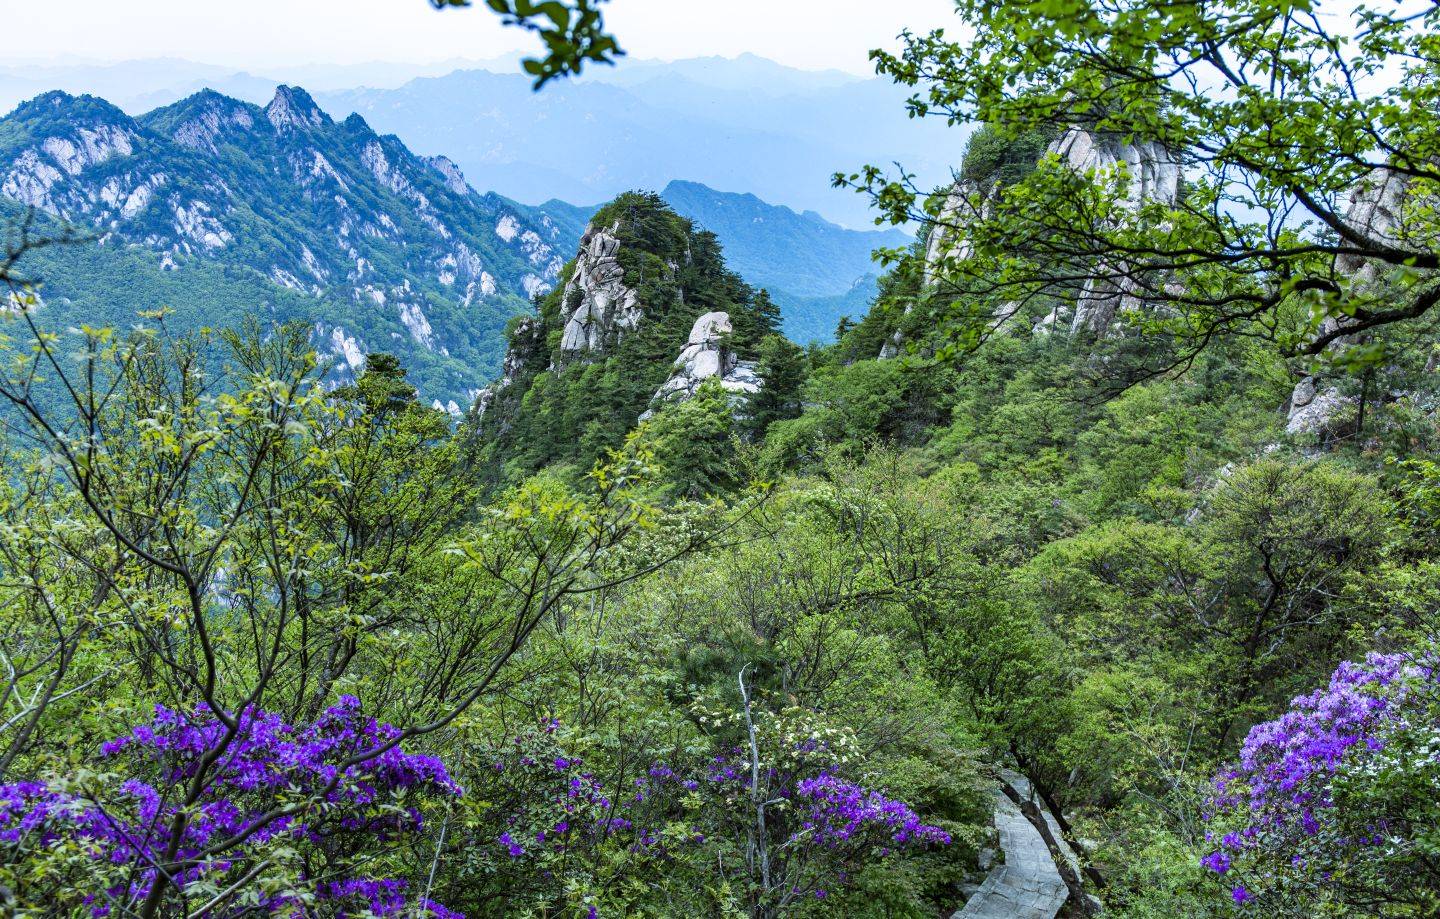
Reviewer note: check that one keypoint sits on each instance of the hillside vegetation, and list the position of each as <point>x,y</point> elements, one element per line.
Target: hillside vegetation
<point>1113,524</point>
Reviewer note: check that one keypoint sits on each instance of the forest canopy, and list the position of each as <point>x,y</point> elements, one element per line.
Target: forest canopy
<point>826,631</point>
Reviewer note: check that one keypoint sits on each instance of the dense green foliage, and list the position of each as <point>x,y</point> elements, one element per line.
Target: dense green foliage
<point>769,654</point>
<point>902,573</point>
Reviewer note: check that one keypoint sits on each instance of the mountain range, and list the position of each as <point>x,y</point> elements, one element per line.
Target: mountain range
<point>217,208</point>
<point>744,123</point>
<point>307,218</point>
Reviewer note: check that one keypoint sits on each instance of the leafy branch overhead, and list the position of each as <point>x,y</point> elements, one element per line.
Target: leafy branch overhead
<point>1306,145</point>
<point>573,33</point>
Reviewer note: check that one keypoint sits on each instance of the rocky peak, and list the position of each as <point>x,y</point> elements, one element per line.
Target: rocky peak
<point>1376,208</point>
<point>368,234</point>
<point>82,110</point>
<point>707,356</point>
<point>64,136</point>
<point>1152,175</point>
<point>597,306</point>
<point>453,177</point>
<point>293,108</point>
<point>202,120</point>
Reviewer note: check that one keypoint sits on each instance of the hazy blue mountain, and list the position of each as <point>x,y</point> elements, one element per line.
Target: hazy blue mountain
<point>816,271</point>
<point>746,73</point>
<point>814,319</point>
<point>772,246</point>
<point>307,218</point>
<point>566,221</point>
<point>743,122</point>
<point>642,125</point>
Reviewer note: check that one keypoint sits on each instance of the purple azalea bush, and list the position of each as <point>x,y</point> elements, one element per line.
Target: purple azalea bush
<point>551,824</point>
<point>1334,802</point>
<point>286,815</point>
<point>821,828</point>
<point>272,786</point>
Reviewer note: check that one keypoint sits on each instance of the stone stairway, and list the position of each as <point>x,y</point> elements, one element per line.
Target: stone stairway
<point>1027,885</point>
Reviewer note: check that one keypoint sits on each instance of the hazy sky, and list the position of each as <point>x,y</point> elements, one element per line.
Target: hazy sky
<point>255,33</point>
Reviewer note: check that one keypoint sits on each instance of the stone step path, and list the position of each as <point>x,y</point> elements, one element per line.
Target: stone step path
<point>1027,885</point>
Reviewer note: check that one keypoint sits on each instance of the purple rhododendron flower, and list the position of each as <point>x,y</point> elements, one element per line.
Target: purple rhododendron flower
<point>345,759</point>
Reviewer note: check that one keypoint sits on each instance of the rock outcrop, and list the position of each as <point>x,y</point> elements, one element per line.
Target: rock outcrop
<point>1152,174</point>
<point>598,306</point>
<point>967,199</point>
<point>1318,408</point>
<point>527,341</point>
<point>707,356</point>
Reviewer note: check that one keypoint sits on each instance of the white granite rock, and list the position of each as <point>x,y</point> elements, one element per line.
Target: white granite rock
<point>597,306</point>
<point>707,356</point>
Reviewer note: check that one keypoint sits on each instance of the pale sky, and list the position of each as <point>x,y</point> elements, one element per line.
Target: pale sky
<point>251,34</point>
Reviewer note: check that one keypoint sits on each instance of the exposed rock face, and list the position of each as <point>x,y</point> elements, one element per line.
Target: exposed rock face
<point>598,307</point>
<point>1376,209</point>
<point>1317,411</point>
<point>215,118</point>
<point>527,342</point>
<point>891,348</point>
<point>44,176</point>
<point>707,357</point>
<point>966,199</point>
<point>454,178</point>
<point>1152,174</point>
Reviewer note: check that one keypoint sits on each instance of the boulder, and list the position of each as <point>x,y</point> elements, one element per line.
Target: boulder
<point>707,356</point>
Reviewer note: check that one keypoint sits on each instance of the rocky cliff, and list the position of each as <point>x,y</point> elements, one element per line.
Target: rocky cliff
<point>1151,174</point>
<point>646,312</point>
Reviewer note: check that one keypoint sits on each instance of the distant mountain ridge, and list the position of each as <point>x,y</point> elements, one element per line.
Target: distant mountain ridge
<point>331,222</point>
<point>744,123</point>
<point>804,253</point>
